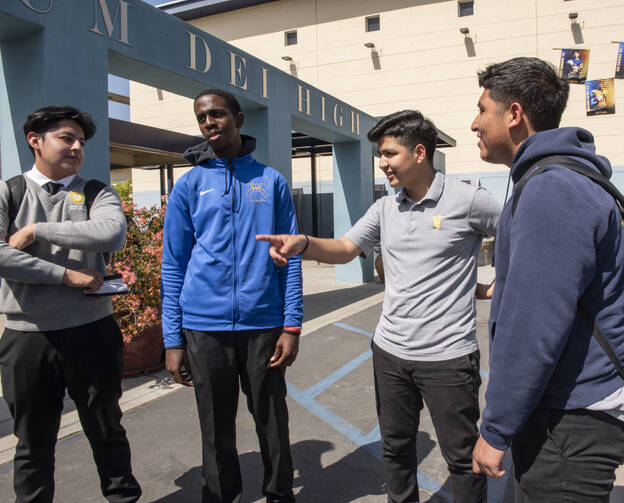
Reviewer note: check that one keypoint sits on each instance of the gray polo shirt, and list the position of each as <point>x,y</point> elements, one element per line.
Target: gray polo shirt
<point>429,251</point>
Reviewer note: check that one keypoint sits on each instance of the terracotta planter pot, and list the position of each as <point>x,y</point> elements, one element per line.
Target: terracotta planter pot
<point>145,353</point>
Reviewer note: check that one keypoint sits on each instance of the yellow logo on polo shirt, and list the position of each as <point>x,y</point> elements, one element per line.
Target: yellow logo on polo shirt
<point>437,221</point>
<point>77,197</point>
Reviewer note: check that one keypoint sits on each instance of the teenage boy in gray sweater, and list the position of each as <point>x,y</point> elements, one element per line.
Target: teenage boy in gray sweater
<point>52,251</point>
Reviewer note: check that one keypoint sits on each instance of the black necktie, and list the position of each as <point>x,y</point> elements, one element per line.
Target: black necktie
<point>52,188</point>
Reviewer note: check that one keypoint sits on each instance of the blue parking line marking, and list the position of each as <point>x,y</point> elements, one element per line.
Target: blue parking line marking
<point>354,329</point>
<point>324,414</point>
<point>374,435</point>
<point>370,441</point>
<point>321,386</point>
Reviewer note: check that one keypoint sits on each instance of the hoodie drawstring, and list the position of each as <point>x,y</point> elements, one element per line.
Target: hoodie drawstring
<point>232,171</point>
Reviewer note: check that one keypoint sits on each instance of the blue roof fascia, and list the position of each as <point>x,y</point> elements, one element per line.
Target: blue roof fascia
<point>193,9</point>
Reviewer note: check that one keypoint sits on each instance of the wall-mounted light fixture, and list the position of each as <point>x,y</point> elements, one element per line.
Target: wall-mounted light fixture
<point>469,41</point>
<point>287,58</point>
<point>576,27</point>
<point>369,45</point>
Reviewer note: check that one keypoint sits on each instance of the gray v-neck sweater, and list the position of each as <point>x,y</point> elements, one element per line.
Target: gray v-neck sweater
<point>31,293</point>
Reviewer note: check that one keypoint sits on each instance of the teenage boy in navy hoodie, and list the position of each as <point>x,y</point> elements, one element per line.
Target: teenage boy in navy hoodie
<point>228,313</point>
<point>553,394</point>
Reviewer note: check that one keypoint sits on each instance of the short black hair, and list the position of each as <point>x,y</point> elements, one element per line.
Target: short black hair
<point>42,120</point>
<point>534,84</point>
<point>229,98</point>
<point>411,129</point>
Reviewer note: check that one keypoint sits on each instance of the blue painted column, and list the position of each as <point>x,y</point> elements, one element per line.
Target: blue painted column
<point>353,195</point>
<point>273,144</point>
<point>44,68</point>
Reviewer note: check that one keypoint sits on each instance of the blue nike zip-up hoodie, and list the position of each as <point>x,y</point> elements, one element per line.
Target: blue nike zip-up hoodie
<point>564,245</point>
<point>215,275</point>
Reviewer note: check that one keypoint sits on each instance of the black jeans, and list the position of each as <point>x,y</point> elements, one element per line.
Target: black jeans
<point>36,368</point>
<point>450,389</point>
<point>567,456</point>
<point>218,361</point>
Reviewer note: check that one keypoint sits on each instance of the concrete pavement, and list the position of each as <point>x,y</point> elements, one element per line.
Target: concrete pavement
<point>334,433</point>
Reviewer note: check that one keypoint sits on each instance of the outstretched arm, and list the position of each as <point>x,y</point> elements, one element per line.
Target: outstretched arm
<point>330,251</point>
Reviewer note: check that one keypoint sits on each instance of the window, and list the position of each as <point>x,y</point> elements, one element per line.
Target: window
<point>290,37</point>
<point>372,23</point>
<point>465,8</point>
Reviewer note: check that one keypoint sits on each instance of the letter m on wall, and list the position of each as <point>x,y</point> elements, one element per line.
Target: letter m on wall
<point>101,12</point>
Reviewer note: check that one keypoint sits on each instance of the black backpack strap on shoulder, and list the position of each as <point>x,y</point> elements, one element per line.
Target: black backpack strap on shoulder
<point>91,190</point>
<point>574,165</point>
<point>17,188</point>
<point>519,187</point>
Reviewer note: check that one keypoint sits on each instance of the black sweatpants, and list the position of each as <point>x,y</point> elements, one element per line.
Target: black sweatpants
<point>36,369</point>
<point>450,388</point>
<point>218,361</point>
<point>567,456</point>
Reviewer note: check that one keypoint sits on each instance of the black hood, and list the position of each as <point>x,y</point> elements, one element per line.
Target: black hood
<point>203,153</point>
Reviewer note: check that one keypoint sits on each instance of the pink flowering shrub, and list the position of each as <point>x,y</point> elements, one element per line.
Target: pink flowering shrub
<point>138,262</point>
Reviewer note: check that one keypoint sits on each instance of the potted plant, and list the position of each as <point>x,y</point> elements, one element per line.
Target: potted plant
<point>138,262</point>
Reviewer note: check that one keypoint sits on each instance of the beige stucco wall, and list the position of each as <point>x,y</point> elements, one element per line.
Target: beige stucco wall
<point>422,55</point>
<point>423,59</point>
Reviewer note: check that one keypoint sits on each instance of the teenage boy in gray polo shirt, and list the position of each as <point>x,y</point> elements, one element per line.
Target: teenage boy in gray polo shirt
<point>425,346</point>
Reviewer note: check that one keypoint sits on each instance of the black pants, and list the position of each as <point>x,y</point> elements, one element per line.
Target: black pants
<point>218,361</point>
<point>567,456</point>
<point>36,368</point>
<point>451,391</point>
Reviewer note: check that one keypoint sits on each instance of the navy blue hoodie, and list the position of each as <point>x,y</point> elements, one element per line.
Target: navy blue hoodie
<point>564,245</point>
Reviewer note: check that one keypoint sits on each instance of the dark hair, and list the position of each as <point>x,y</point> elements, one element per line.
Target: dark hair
<point>531,82</point>
<point>410,127</point>
<point>46,118</point>
<point>229,98</point>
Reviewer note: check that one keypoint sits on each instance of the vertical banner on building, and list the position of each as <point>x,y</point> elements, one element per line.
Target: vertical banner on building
<point>619,64</point>
<point>574,64</point>
<point>600,96</point>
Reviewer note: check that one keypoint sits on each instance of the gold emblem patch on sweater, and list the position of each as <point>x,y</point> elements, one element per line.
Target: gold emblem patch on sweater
<point>77,197</point>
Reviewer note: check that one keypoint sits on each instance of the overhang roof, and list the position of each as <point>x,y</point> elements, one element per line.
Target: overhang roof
<point>137,145</point>
<point>193,9</point>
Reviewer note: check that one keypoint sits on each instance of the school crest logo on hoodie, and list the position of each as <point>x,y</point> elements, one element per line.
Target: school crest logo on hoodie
<point>256,192</point>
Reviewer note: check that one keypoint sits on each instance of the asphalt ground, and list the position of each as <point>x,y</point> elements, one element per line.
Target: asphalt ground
<point>333,427</point>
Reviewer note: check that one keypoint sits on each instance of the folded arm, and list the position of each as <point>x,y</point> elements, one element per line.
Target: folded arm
<point>105,231</point>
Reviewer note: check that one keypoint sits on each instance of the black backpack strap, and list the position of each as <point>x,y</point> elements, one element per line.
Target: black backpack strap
<point>91,190</point>
<point>574,165</point>
<point>17,187</point>
<point>602,340</point>
<point>519,187</point>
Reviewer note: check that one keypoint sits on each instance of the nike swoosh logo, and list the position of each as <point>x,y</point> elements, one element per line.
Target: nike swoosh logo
<point>205,191</point>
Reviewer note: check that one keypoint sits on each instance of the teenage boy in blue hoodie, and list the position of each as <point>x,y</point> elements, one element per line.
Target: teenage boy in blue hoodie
<point>553,394</point>
<point>228,313</point>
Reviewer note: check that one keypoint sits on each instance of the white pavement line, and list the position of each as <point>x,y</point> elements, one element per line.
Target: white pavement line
<point>70,424</point>
<point>337,315</point>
